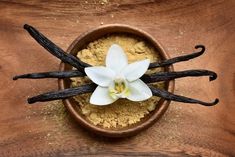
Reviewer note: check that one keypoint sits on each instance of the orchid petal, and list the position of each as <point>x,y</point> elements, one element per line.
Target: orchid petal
<point>101,97</point>
<point>116,59</point>
<point>135,70</point>
<point>100,75</point>
<point>139,91</point>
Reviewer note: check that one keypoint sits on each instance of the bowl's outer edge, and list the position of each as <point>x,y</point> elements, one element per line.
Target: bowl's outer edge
<point>129,131</point>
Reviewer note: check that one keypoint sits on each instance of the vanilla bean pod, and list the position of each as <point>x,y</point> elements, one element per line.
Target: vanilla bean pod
<point>178,59</point>
<point>70,92</point>
<point>169,96</point>
<point>80,65</point>
<point>63,94</point>
<point>166,76</point>
<point>52,74</point>
<point>54,49</point>
<point>147,78</point>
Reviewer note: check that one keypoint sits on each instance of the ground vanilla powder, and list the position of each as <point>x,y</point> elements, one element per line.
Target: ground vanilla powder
<point>123,112</point>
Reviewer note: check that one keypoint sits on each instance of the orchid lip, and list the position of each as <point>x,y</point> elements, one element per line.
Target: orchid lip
<point>119,88</point>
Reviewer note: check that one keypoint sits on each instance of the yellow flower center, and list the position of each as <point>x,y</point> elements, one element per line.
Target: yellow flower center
<point>119,88</point>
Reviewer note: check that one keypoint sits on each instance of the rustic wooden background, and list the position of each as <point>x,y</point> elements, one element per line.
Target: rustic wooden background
<point>44,129</point>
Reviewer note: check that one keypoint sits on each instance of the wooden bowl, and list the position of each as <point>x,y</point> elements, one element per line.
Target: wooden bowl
<point>72,106</point>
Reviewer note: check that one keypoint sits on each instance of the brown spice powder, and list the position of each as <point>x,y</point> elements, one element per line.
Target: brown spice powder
<point>123,112</point>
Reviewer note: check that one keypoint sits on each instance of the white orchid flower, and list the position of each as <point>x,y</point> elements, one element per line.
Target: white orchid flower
<point>118,79</point>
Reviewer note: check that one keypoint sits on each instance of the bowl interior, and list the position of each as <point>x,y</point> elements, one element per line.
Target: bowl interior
<point>80,43</point>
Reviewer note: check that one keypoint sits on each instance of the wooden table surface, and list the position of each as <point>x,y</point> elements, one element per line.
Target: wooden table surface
<point>44,129</point>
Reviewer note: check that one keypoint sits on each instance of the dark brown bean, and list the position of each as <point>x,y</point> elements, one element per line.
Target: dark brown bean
<point>62,94</point>
<point>70,92</point>
<point>169,96</point>
<point>80,65</point>
<point>54,49</point>
<point>52,74</point>
<point>178,59</point>
<point>166,76</point>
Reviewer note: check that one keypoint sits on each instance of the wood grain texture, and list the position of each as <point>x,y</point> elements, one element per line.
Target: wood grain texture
<point>185,130</point>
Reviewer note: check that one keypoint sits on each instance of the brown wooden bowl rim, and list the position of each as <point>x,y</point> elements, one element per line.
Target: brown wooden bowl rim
<point>158,112</point>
